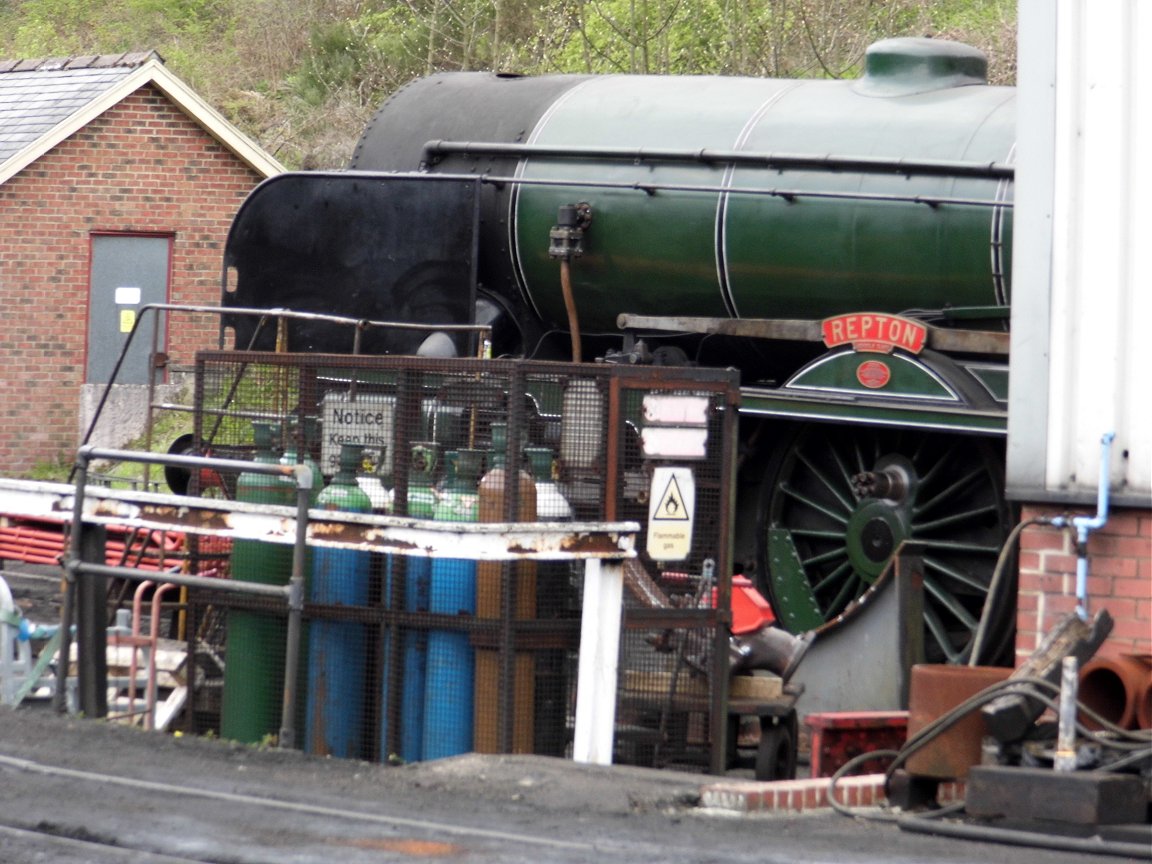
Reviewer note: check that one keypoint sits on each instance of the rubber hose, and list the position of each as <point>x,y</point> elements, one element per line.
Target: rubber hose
<point>1024,838</point>
<point>570,307</point>
<point>994,586</point>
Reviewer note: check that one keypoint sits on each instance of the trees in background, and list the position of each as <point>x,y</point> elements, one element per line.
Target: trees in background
<point>303,77</point>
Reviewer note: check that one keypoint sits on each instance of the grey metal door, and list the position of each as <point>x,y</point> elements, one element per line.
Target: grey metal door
<point>127,273</point>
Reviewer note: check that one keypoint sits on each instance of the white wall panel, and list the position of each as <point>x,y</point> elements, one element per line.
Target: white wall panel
<point>1082,346</point>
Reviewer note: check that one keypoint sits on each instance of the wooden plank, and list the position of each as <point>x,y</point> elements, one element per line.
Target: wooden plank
<point>754,687</point>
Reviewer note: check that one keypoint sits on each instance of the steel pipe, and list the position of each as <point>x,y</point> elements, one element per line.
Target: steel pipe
<point>710,156</point>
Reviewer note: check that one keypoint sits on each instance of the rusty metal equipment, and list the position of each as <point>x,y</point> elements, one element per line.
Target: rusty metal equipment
<point>936,690</point>
<point>838,737</point>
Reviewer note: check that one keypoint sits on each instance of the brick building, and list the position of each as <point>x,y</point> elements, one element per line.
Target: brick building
<point>1119,579</point>
<point>117,188</point>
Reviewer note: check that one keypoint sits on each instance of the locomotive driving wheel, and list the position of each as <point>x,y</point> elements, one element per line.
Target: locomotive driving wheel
<point>838,501</point>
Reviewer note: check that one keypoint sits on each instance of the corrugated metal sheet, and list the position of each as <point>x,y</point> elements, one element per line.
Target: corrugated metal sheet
<point>38,95</point>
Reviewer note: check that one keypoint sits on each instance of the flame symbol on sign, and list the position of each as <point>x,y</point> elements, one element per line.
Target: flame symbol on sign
<point>671,506</point>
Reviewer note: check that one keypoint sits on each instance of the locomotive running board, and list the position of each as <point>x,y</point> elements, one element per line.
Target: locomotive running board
<point>769,402</point>
<point>802,330</point>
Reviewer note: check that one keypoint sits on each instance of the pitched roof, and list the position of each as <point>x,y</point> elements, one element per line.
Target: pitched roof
<point>44,101</point>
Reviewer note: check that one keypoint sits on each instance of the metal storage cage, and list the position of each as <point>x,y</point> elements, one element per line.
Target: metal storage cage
<point>409,658</point>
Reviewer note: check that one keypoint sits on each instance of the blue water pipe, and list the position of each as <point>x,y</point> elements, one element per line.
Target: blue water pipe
<point>1084,525</point>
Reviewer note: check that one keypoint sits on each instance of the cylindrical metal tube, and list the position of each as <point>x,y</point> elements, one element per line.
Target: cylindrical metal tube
<point>1066,730</point>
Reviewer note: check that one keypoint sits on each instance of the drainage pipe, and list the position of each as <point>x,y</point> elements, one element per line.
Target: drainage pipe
<point>1084,525</point>
<point>1116,688</point>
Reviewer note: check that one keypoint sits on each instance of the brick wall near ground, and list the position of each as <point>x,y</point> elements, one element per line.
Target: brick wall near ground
<point>1119,579</point>
<point>141,167</point>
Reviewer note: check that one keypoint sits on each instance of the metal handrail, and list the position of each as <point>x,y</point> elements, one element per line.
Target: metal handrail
<point>601,543</point>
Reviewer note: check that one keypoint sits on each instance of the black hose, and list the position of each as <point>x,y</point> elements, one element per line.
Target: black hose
<point>1030,687</point>
<point>931,822</point>
<point>963,831</point>
<point>998,574</point>
<point>844,770</point>
<point>1138,741</point>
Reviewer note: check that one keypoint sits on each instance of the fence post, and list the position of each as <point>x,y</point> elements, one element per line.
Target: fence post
<point>599,657</point>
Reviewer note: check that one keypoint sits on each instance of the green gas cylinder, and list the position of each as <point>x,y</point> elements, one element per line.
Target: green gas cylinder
<point>254,670</point>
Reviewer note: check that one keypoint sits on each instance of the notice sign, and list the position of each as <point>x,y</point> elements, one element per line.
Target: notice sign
<point>671,507</point>
<point>366,420</point>
<point>675,427</point>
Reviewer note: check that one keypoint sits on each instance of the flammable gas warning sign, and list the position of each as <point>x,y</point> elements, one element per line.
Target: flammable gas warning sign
<point>671,509</point>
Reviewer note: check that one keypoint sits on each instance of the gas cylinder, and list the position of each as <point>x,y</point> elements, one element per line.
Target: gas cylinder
<point>334,725</point>
<point>555,598</point>
<point>448,698</point>
<point>421,489</point>
<point>377,481</point>
<point>551,505</point>
<point>494,487</point>
<point>293,455</point>
<point>254,672</point>
<point>417,584</point>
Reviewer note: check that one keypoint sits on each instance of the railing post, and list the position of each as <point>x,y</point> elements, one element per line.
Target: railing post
<point>67,608</point>
<point>287,736</point>
<point>92,625</point>
<point>599,658</point>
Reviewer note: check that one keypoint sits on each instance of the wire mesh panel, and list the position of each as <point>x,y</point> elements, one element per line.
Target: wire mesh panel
<point>410,657</point>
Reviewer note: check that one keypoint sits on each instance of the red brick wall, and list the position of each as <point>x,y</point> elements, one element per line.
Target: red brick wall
<point>1119,579</point>
<point>143,167</point>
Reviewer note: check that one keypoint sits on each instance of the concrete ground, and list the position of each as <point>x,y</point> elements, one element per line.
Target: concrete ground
<point>75,790</point>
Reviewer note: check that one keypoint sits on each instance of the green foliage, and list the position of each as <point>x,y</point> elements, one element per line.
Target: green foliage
<point>52,470</point>
<point>647,37</point>
<point>303,77</point>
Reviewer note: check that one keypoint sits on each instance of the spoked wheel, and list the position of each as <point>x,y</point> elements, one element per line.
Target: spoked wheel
<point>838,501</point>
